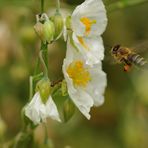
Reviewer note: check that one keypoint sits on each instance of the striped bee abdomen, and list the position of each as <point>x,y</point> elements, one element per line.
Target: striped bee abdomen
<point>137,59</point>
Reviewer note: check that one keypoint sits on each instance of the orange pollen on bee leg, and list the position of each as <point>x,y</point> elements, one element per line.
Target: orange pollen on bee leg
<point>88,23</point>
<point>127,68</point>
<point>78,73</point>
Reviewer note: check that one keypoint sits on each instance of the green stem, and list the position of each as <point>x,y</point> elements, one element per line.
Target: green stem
<point>43,63</point>
<point>58,6</point>
<point>42,6</point>
<point>44,47</point>
<point>31,80</point>
<point>38,77</point>
<point>124,4</point>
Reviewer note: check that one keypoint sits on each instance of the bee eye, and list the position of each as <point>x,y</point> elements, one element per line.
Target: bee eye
<point>115,48</point>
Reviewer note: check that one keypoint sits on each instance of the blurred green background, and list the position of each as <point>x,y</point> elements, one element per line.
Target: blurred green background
<point>122,122</point>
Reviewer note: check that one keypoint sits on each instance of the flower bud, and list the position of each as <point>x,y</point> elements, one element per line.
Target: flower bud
<point>39,30</point>
<point>68,109</point>
<point>43,86</point>
<point>44,28</point>
<point>58,24</point>
<point>48,31</point>
<point>68,22</point>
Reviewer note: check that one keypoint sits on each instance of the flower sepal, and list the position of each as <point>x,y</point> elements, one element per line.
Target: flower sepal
<point>44,28</point>
<point>43,87</point>
<point>38,27</point>
<point>48,31</point>
<point>64,88</point>
<point>68,23</point>
<point>68,109</point>
<point>58,22</point>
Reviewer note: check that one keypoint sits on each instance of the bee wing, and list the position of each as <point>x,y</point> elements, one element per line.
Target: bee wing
<point>143,68</point>
<point>141,47</point>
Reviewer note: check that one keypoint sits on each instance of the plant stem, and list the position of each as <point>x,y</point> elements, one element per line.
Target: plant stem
<point>42,6</point>
<point>31,81</point>
<point>43,63</point>
<point>124,4</point>
<point>58,6</point>
<point>44,47</point>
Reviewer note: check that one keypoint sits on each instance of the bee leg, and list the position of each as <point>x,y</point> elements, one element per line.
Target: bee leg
<point>127,65</point>
<point>127,68</point>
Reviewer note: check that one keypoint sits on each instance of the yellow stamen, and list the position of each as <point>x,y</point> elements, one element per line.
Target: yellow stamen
<point>82,42</point>
<point>88,23</point>
<point>78,73</point>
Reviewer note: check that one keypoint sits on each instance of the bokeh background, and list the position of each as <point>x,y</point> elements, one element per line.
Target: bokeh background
<point>122,122</point>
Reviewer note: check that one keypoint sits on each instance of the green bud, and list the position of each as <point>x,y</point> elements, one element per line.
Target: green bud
<point>44,28</point>
<point>48,31</point>
<point>39,30</point>
<point>43,86</point>
<point>68,22</point>
<point>58,24</point>
<point>68,109</point>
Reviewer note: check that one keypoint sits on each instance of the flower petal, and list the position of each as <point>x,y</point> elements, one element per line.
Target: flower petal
<point>51,110</point>
<point>91,48</point>
<point>72,53</point>
<point>35,109</point>
<point>80,98</point>
<point>89,10</point>
<point>97,85</point>
<point>85,97</point>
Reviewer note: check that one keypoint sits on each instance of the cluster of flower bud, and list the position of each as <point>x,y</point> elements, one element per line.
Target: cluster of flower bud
<point>49,29</point>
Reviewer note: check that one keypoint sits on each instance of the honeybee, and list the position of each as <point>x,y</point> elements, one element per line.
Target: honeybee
<point>128,57</point>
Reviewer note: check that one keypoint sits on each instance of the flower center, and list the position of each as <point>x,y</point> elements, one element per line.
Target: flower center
<point>78,73</point>
<point>82,42</point>
<point>88,23</point>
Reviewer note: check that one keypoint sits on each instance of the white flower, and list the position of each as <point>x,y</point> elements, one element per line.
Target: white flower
<point>91,48</point>
<point>88,22</point>
<point>37,111</point>
<point>85,84</point>
<point>89,18</point>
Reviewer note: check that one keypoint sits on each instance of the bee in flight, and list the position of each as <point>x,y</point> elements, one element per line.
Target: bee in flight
<point>128,57</point>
